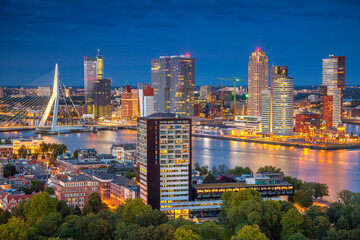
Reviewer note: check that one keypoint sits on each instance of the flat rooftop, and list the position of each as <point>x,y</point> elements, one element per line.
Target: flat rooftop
<point>236,184</point>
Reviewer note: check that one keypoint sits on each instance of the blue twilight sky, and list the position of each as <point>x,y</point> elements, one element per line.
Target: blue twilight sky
<point>35,34</point>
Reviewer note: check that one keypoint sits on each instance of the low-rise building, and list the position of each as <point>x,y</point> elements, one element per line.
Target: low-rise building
<point>74,165</point>
<point>10,201</point>
<point>306,120</point>
<point>75,189</point>
<point>6,150</point>
<point>246,123</point>
<point>32,145</point>
<point>86,153</point>
<point>122,188</point>
<point>119,150</point>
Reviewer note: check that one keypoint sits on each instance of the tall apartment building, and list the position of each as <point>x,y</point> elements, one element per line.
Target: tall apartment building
<point>205,93</point>
<point>97,96</point>
<point>173,79</point>
<point>278,103</point>
<point>333,77</point>
<point>258,80</point>
<point>164,159</point>
<point>146,99</point>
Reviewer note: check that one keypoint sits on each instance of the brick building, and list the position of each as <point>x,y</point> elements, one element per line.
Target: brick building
<point>122,188</point>
<point>75,189</point>
<point>305,120</point>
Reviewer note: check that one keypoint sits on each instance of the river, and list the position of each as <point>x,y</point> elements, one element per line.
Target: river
<point>339,169</point>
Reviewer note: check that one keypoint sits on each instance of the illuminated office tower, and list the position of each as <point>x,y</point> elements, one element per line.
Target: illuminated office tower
<point>93,70</point>
<point>258,80</point>
<point>282,94</point>
<point>130,103</point>
<point>266,111</point>
<point>277,104</point>
<point>173,79</point>
<point>101,108</point>
<point>333,77</point>
<point>164,159</point>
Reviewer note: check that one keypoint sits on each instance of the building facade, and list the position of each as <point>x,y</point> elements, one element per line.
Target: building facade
<point>306,120</point>
<point>333,77</point>
<point>258,80</point>
<point>146,99</point>
<point>76,189</point>
<point>173,79</point>
<point>164,159</point>
<point>129,103</point>
<point>266,113</point>
<point>101,107</point>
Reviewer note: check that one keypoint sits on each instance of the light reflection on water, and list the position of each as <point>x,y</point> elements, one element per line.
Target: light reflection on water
<point>339,169</point>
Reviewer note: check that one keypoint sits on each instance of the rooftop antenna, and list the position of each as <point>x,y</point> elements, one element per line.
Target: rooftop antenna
<point>273,61</point>
<point>98,51</point>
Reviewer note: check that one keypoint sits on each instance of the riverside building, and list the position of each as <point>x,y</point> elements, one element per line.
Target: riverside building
<point>258,80</point>
<point>333,77</point>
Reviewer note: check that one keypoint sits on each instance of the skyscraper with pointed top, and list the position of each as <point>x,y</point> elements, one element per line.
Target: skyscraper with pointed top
<point>258,80</point>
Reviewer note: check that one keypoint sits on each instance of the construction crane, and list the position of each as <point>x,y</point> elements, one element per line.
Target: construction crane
<point>222,94</point>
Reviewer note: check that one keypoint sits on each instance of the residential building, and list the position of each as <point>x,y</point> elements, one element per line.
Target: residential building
<point>119,150</point>
<point>164,159</point>
<point>102,99</point>
<point>173,79</point>
<point>86,153</point>
<point>10,201</point>
<point>75,189</point>
<point>333,77</point>
<point>122,188</point>
<point>205,93</point>
<point>266,112</point>
<point>74,165</point>
<point>328,110</point>
<point>258,80</point>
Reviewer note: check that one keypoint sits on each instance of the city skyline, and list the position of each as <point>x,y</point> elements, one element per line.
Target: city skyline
<point>228,34</point>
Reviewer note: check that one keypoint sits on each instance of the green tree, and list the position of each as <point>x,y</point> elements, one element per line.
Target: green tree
<point>15,229</point>
<point>23,152</point>
<point>294,181</point>
<point>298,236</point>
<point>321,226</point>
<point>153,217</point>
<point>132,208</point>
<point>9,170</point>
<point>292,222</point>
<point>250,232</point>
<point>50,190</point>
<point>197,166</point>
<point>334,211</point>
<point>204,170</point>
<point>209,178</point>
<point>303,198</point>
<point>321,190</point>
<point>59,149</point>
<point>223,168</point>
<point>215,170</point>
<point>183,234</point>
<point>238,171</point>
<point>345,196</point>
<point>37,186</point>
<point>210,230</point>
<point>100,229</point>
<point>131,174</point>
<point>49,224</point>
<point>8,141</point>
<point>39,205</point>
<point>164,232</point>
<point>315,211</point>
<point>4,216</point>
<point>179,222</point>
<point>76,153</point>
<point>269,168</point>
<point>336,235</point>
<point>342,224</point>
<point>95,202</point>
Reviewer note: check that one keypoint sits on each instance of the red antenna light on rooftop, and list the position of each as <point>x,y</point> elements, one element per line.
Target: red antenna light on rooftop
<point>258,49</point>
<point>187,55</point>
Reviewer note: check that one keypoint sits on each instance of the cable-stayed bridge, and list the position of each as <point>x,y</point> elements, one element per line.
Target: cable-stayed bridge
<point>28,108</point>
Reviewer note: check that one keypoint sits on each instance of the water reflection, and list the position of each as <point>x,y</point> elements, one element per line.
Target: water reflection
<point>339,169</point>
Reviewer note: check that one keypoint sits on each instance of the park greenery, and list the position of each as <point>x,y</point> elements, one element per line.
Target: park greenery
<point>245,215</point>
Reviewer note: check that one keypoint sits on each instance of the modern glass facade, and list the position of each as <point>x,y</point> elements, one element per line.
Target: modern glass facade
<point>173,79</point>
<point>97,89</point>
<point>333,77</point>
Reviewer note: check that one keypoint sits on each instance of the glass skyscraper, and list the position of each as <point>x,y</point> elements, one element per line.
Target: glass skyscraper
<point>173,79</point>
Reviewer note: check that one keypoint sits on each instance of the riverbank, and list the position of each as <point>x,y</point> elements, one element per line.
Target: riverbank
<point>331,146</point>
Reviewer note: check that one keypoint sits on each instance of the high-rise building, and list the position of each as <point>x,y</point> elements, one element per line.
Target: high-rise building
<point>333,77</point>
<point>282,91</point>
<point>173,79</point>
<point>205,93</point>
<point>93,70</point>
<point>130,103</point>
<point>164,159</point>
<point>266,123</point>
<point>258,80</point>
<point>278,103</point>
<point>101,108</point>
<point>1,92</point>
<point>146,99</point>
<point>328,110</point>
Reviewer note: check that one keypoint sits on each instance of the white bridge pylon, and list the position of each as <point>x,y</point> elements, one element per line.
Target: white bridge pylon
<point>54,101</point>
